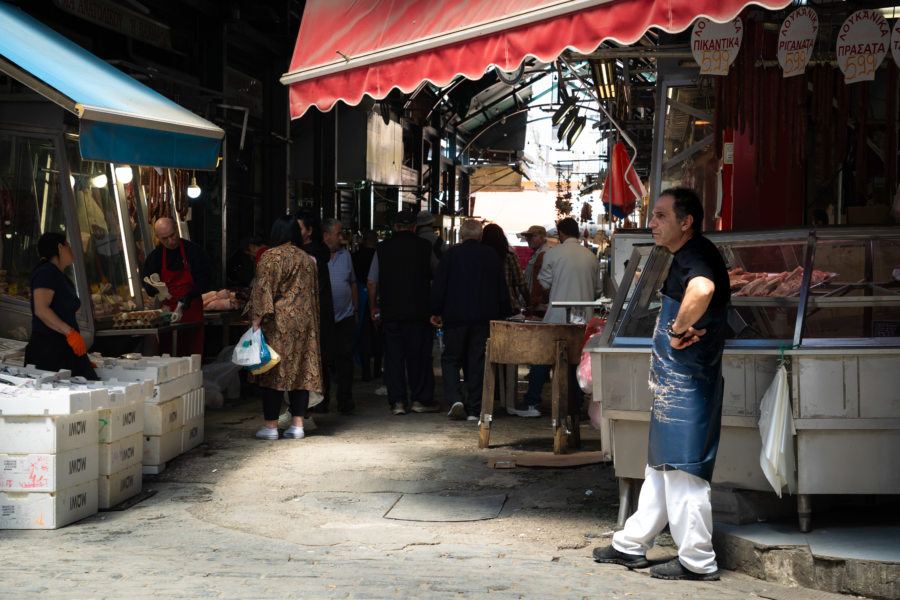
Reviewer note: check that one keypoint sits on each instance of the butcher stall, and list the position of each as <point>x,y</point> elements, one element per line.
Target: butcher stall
<point>98,156</point>
<point>826,302</point>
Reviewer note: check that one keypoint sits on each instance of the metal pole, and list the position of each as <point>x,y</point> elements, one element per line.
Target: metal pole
<point>224,204</point>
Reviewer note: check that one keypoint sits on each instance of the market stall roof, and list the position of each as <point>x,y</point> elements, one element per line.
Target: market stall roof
<point>347,48</point>
<point>122,120</point>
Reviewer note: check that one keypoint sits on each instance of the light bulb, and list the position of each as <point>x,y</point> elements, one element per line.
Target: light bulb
<point>124,174</point>
<point>99,181</point>
<point>193,190</point>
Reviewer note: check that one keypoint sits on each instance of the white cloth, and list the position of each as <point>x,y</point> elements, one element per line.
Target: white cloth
<point>683,501</point>
<point>572,273</point>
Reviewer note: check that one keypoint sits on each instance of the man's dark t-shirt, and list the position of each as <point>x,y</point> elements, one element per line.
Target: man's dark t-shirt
<point>699,257</point>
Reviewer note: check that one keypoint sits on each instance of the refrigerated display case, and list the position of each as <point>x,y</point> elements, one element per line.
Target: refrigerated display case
<point>827,302</point>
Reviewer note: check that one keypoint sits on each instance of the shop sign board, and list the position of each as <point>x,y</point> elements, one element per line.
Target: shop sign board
<point>862,44</point>
<point>716,45</point>
<point>796,40</point>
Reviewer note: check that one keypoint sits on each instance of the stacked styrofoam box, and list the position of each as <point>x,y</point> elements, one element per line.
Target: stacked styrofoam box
<point>121,437</point>
<point>176,401</point>
<point>48,455</point>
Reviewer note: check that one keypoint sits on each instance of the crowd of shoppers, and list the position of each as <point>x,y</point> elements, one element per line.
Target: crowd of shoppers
<point>324,310</point>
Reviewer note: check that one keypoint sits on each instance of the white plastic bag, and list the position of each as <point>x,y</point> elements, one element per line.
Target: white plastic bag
<point>248,350</point>
<point>776,427</point>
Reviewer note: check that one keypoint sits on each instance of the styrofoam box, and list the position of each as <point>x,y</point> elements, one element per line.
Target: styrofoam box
<point>126,391</point>
<point>195,363</point>
<point>39,375</point>
<point>161,448</point>
<point>44,401</point>
<point>100,397</point>
<point>48,434</point>
<point>156,374</point>
<point>119,486</point>
<point>192,433</point>
<point>163,418</point>
<point>194,404</point>
<point>177,387</point>
<point>121,454</point>
<point>42,510</point>
<point>48,472</point>
<point>120,422</point>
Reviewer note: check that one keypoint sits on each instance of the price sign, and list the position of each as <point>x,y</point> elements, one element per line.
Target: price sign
<point>796,40</point>
<point>862,44</point>
<point>895,42</point>
<point>715,45</point>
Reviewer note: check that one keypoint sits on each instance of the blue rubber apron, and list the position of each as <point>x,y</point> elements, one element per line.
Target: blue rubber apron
<point>687,389</point>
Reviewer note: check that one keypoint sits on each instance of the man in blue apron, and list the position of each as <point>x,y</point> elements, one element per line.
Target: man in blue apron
<point>686,382</point>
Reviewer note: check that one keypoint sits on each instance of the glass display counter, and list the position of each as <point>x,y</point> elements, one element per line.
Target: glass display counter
<point>827,301</point>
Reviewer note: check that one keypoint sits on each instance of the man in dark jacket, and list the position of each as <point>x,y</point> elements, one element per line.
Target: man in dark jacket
<point>469,290</point>
<point>401,276</point>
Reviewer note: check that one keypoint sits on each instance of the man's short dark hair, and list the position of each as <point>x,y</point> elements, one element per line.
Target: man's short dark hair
<point>687,202</point>
<point>568,226</point>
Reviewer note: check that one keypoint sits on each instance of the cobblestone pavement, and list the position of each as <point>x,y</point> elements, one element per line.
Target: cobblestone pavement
<point>244,518</point>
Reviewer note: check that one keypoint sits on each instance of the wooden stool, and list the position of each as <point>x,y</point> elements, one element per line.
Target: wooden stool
<point>537,344</point>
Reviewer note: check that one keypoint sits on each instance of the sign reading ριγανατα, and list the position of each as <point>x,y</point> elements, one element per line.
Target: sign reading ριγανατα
<point>796,40</point>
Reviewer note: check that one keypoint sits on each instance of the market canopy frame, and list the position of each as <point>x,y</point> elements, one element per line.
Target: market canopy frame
<point>121,120</point>
<point>345,50</point>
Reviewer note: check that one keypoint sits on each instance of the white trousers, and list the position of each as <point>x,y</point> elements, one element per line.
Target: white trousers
<point>683,501</point>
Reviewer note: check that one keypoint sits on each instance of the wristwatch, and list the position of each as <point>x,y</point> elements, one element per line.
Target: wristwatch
<point>672,333</point>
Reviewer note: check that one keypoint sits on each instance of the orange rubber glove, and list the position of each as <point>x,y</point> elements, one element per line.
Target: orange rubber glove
<point>76,342</point>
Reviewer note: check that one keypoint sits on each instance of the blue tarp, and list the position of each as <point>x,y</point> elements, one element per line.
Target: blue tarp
<point>122,120</point>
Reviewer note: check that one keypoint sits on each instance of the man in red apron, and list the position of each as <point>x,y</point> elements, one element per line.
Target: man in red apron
<point>183,269</point>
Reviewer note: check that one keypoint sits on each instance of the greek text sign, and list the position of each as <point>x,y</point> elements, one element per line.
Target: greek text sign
<point>796,40</point>
<point>862,43</point>
<point>716,45</point>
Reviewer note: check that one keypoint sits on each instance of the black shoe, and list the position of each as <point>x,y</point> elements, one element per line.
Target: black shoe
<point>675,570</point>
<point>608,554</point>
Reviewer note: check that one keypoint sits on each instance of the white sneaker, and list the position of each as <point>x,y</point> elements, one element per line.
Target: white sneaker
<point>267,434</point>
<point>457,411</point>
<point>472,418</point>
<point>381,390</point>
<point>531,411</point>
<point>295,433</point>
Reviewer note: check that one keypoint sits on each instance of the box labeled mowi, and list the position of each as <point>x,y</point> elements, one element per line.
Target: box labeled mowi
<point>47,434</point>
<point>120,422</point>
<point>177,387</point>
<point>48,472</point>
<point>192,433</point>
<point>43,510</point>
<point>119,486</point>
<point>194,404</point>
<point>121,454</point>
<point>163,418</point>
<point>161,448</point>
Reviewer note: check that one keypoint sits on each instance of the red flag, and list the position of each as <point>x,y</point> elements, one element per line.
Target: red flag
<point>622,190</point>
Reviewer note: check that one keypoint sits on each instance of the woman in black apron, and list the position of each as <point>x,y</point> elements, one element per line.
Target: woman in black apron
<point>55,342</point>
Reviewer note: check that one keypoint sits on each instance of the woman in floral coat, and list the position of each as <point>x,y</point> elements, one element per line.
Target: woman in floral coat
<point>285,304</point>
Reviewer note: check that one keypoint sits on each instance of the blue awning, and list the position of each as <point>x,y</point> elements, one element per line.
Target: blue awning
<point>122,120</point>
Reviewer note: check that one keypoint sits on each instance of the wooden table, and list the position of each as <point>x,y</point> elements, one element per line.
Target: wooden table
<point>535,343</point>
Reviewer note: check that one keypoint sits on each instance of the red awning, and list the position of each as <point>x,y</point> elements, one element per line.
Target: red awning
<point>347,48</point>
